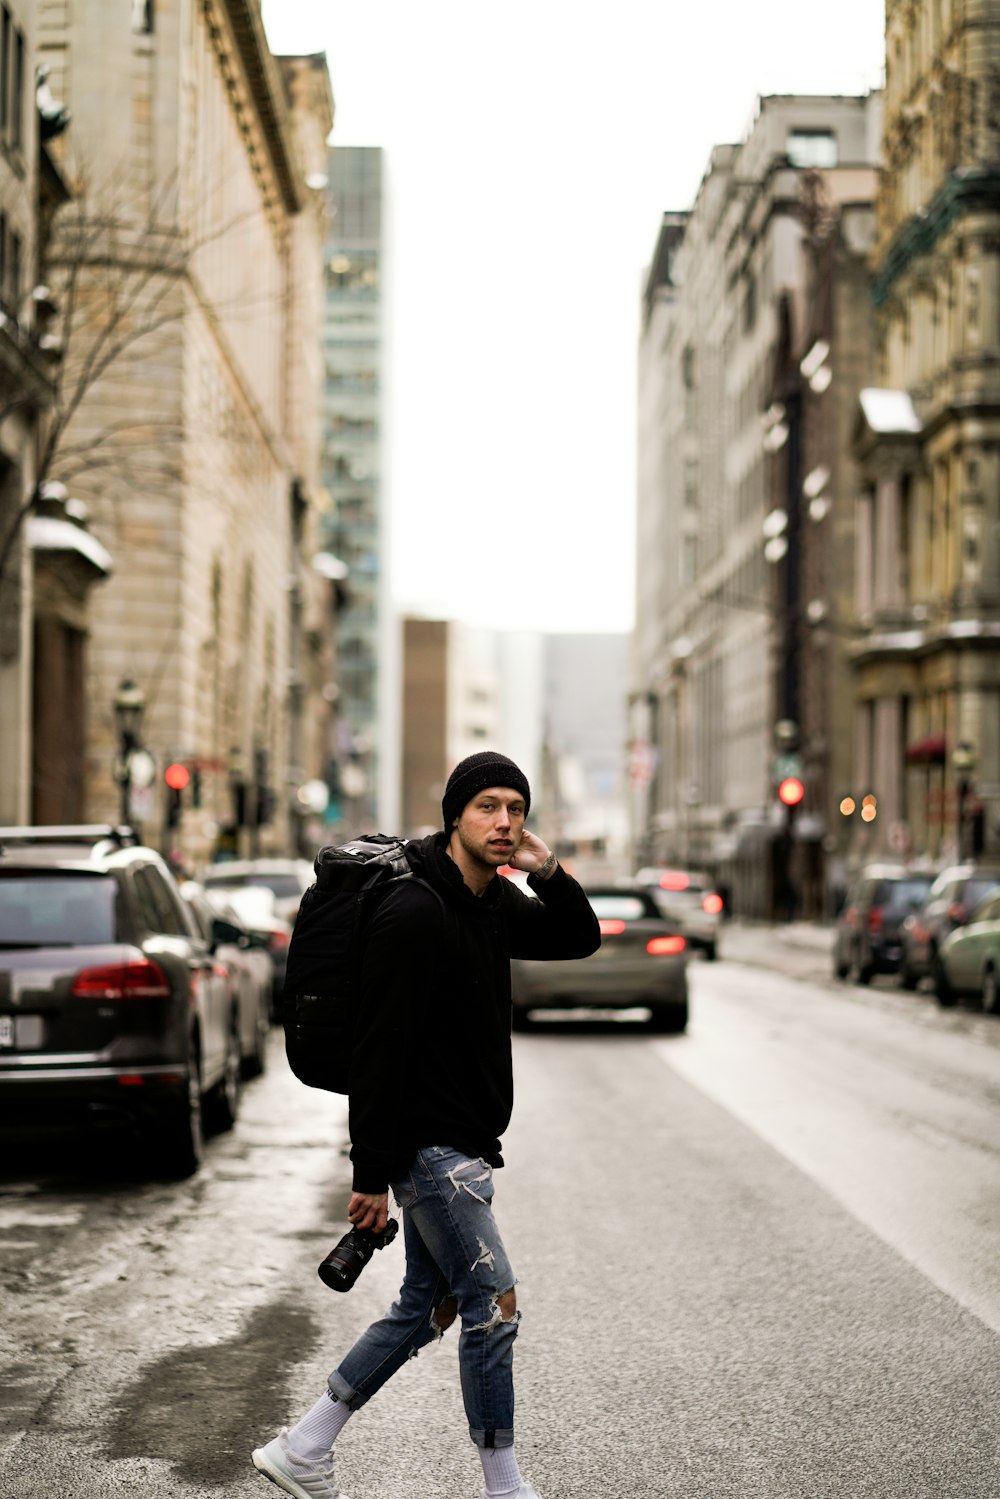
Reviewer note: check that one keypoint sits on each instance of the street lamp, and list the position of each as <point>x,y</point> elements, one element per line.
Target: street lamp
<point>963,761</point>
<point>129,706</point>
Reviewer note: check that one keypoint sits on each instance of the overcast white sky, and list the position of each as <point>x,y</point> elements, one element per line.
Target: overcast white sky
<point>531,148</point>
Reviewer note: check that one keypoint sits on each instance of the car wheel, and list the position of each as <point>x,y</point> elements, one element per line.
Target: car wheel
<point>226,1099</point>
<point>256,1062</point>
<point>669,1020</point>
<point>991,997</point>
<point>180,1133</point>
<point>907,978</point>
<point>711,951</point>
<point>946,996</point>
<point>840,968</point>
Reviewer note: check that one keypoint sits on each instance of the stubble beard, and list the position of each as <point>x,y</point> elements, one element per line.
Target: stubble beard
<point>480,852</point>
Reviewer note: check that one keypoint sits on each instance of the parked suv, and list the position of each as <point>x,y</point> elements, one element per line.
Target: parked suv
<point>109,1004</point>
<point>950,901</point>
<point>867,937</point>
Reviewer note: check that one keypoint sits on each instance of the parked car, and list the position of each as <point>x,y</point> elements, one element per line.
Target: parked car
<point>955,893</point>
<point>867,934</point>
<point>248,971</point>
<point>967,962</point>
<point>256,909</point>
<point>642,961</point>
<point>108,1008</point>
<point>688,898</point>
<point>287,879</point>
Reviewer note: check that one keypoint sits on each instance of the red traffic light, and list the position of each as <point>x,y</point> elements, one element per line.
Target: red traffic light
<point>177,776</point>
<point>791,791</point>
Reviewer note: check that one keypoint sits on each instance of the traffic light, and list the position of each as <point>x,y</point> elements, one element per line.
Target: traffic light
<point>791,791</point>
<point>177,777</point>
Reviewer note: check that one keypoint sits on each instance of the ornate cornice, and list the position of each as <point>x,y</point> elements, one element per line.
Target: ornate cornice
<point>266,90</point>
<point>965,191</point>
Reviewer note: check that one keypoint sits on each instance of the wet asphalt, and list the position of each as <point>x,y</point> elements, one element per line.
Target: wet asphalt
<point>707,1310</point>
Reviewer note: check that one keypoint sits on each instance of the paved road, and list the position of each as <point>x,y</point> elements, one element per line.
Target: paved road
<point>756,1261</point>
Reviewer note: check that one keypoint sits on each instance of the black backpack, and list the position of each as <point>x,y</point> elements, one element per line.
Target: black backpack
<point>324,957</point>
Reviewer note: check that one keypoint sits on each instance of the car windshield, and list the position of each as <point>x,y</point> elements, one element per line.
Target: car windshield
<point>904,892</point>
<point>618,907</point>
<point>56,910</point>
<point>977,889</point>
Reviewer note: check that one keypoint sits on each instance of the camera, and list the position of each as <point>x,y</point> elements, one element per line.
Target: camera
<point>347,1259</point>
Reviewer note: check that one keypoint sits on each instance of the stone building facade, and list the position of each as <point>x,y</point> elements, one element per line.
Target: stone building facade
<point>48,561</point>
<point>716,660</point>
<point>352,472</point>
<point>189,251</point>
<point>927,724</point>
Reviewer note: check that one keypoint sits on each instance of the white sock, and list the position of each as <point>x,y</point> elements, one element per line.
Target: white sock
<point>500,1470</point>
<point>313,1436</point>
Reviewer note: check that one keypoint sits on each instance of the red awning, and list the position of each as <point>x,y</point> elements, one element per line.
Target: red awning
<point>930,751</point>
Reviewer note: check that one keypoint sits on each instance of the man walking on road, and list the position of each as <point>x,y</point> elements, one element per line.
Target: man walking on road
<point>431,1094</point>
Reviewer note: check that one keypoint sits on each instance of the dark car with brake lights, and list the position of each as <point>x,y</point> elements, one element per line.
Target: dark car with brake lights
<point>110,1009</point>
<point>868,932</point>
<point>688,898</point>
<point>641,963</point>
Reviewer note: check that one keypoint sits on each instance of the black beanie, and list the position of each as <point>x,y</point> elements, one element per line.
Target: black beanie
<point>474,774</point>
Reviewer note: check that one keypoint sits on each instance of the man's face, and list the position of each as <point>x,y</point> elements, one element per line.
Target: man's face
<point>491,825</point>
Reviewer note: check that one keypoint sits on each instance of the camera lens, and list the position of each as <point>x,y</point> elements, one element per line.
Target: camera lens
<point>349,1257</point>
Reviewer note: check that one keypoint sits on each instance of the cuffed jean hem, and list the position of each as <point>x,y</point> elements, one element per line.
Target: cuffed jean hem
<point>492,1438</point>
<point>339,1389</point>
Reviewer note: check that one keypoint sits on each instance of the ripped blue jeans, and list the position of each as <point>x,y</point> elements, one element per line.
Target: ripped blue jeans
<point>453,1248</point>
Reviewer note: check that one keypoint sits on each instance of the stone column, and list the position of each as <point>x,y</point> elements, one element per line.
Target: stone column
<point>886,581</point>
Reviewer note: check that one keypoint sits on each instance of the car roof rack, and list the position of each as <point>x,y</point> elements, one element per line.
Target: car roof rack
<point>121,836</point>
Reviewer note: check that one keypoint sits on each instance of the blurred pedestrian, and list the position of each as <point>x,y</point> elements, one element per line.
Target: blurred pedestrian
<point>431,1094</point>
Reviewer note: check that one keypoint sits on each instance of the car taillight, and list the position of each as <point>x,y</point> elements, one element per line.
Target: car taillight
<point>712,904</point>
<point>141,979</point>
<point>876,916</point>
<point>665,947</point>
<point>278,941</point>
<point>956,912</point>
<point>611,928</point>
<point>674,879</point>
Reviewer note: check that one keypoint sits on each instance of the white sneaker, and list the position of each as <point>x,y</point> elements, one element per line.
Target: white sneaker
<point>305,1480</point>
<point>524,1492</point>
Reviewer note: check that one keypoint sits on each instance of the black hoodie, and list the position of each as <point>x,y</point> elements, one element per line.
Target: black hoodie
<point>431,1061</point>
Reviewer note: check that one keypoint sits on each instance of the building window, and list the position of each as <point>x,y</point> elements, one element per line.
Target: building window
<point>750,303</point>
<point>17,93</point>
<point>6,28</point>
<point>15,272</point>
<point>142,17</point>
<point>13,55</point>
<point>811,148</point>
<point>690,483</point>
<point>689,560</point>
